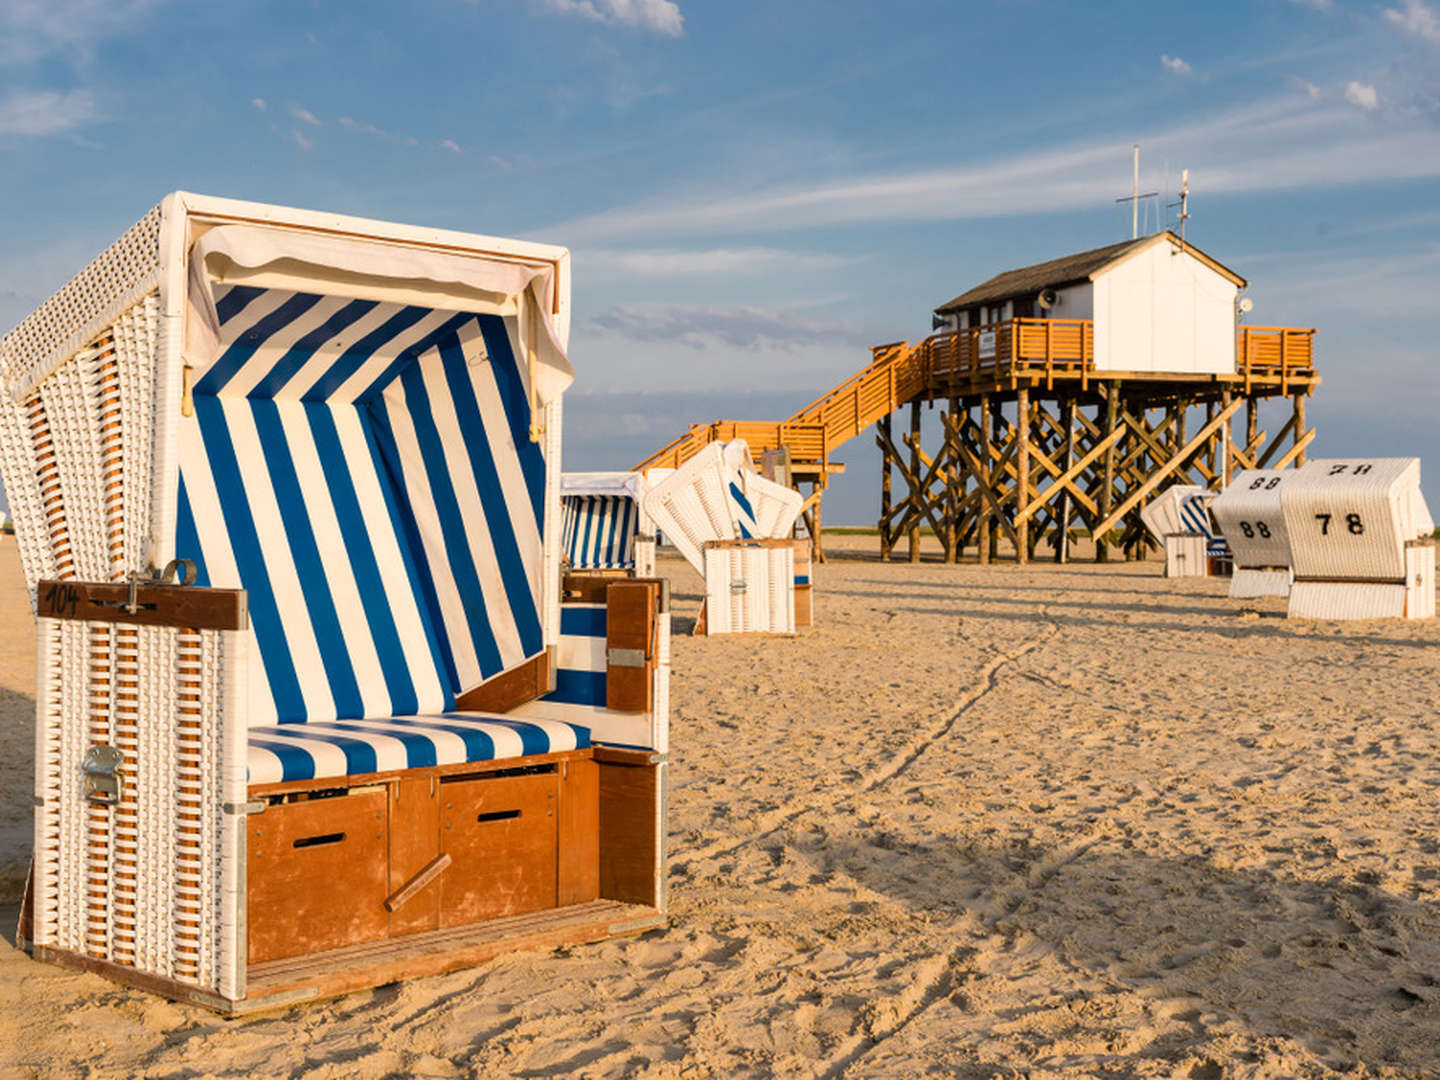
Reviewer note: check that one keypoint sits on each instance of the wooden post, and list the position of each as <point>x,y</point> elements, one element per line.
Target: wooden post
<point>1299,432</point>
<point>1227,446</point>
<point>996,474</point>
<point>886,539</point>
<point>1022,479</point>
<point>1252,421</point>
<point>1062,541</point>
<point>815,542</point>
<point>915,496</point>
<point>983,532</point>
<point>1107,490</point>
<point>951,501</point>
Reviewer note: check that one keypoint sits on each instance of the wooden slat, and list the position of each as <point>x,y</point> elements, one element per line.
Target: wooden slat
<point>159,605</point>
<point>630,608</point>
<point>511,688</point>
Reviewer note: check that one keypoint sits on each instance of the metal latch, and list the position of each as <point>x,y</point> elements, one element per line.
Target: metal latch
<point>625,657</point>
<point>183,568</point>
<point>103,782</point>
<point>739,586</point>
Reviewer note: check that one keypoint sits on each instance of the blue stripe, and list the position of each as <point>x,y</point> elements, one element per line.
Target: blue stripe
<point>309,567</point>
<point>452,525</point>
<point>235,301</point>
<point>478,745</point>
<point>517,409</point>
<point>339,482</point>
<point>295,763</point>
<point>187,537</point>
<point>360,755</point>
<point>744,504</point>
<point>407,358</point>
<point>299,354</point>
<point>582,622</point>
<point>386,456</point>
<point>574,687</point>
<point>520,592</point>
<point>534,738</point>
<point>802,579</point>
<point>355,357</point>
<point>245,344</point>
<point>249,562</point>
<point>419,751</point>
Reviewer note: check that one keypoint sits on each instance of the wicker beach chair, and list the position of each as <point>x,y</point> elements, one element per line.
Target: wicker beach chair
<point>605,528</point>
<point>315,708</point>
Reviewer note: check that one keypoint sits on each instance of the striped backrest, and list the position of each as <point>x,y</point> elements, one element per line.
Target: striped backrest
<point>599,531</point>
<point>365,471</point>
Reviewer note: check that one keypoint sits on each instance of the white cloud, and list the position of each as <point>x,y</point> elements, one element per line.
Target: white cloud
<point>711,261</point>
<point>300,139</point>
<point>659,16</point>
<point>305,116</point>
<point>259,103</point>
<point>45,112</point>
<point>450,145</point>
<point>1283,144</point>
<point>1416,18</point>
<point>31,30</point>
<point>349,123</point>
<point>1362,96</point>
<point>1175,64</point>
<point>1309,89</point>
<point>702,326</point>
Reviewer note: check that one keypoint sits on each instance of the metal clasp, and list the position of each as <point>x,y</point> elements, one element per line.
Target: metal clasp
<point>103,782</point>
<point>184,568</point>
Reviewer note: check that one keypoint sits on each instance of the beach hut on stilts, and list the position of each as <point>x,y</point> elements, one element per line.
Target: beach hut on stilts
<point>317,708</point>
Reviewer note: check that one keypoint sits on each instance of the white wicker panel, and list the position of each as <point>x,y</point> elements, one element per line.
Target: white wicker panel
<point>1346,600</point>
<point>1161,515</point>
<point>692,506</point>
<point>82,308</point>
<point>1251,520</point>
<point>1185,555</point>
<point>749,590</point>
<point>1247,584</point>
<point>1420,579</point>
<point>552,418</point>
<point>1350,519</point>
<point>49,709</point>
<point>661,716</point>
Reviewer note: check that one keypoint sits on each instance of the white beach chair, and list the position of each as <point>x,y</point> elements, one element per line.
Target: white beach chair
<point>375,736</point>
<point>1248,514</point>
<point>1360,540</point>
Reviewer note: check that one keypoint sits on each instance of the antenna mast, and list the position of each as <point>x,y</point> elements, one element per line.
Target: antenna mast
<point>1136,195</point>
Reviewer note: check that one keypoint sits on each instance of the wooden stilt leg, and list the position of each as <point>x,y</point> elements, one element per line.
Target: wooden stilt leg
<point>1062,539</point>
<point>951,502</point>
<point>1022,480</point>
<point>1107,489</point>
<point>1227,441</point>
<point>916,496</point>
<point>886,537</point>
<point>816,543</point>
<point>1299,431</point>
<point>984,534</point>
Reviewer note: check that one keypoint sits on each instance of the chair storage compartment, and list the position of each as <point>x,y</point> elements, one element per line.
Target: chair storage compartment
<point>317,874</point>
<point>500,830</point>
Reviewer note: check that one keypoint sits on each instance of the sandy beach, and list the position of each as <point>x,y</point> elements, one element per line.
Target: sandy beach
<point>1046,822</point>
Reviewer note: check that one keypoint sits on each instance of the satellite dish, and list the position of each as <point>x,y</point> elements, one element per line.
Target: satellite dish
<point>1246,305</point>
<point>938,321</point>
<point>1047,299</point>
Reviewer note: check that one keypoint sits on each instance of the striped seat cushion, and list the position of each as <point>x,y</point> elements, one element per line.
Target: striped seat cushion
<point>318,751</point>
<point>365,471</point>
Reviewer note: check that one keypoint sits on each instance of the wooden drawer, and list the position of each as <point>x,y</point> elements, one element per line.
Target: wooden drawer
<point>317,872</point>
<point>500,830</point>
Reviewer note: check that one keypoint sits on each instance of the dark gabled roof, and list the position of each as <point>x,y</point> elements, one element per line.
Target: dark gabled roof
<point>1029,280</point>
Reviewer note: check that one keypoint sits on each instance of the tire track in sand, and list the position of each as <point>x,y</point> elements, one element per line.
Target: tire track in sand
<point>772,820</point>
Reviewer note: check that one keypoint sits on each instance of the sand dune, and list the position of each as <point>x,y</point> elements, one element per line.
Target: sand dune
<point>1053,822</point>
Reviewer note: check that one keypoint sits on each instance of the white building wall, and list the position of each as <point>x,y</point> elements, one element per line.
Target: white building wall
<point>1074,302</point>
<point>1164,310</point>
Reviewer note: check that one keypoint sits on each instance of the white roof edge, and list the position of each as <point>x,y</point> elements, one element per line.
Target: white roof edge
<point>203,206</point>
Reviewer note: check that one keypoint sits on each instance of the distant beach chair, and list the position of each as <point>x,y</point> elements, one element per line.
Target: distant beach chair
<point>1176,516</point>
<point>1360,539</point>
<point>605,528</point>
<point>735,528</point>
<point>1248,514</point>
<point>360,728</point>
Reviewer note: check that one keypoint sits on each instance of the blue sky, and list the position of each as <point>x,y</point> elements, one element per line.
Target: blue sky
<point>755,193</point>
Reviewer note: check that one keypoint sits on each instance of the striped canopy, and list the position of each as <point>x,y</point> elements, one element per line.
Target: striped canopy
<point>364,469</point>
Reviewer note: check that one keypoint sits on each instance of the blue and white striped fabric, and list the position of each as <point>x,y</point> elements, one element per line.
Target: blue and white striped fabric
<point>599,531</point>
<point>580,656</point>
<point>1195,516</point>
<point>365,471</point>
<point>316,751</point>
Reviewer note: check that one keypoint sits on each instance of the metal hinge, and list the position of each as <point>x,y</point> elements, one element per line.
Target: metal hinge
<point>625,657</point>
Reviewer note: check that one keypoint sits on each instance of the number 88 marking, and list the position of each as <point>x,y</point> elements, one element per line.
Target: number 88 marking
<point>1259,527</point>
